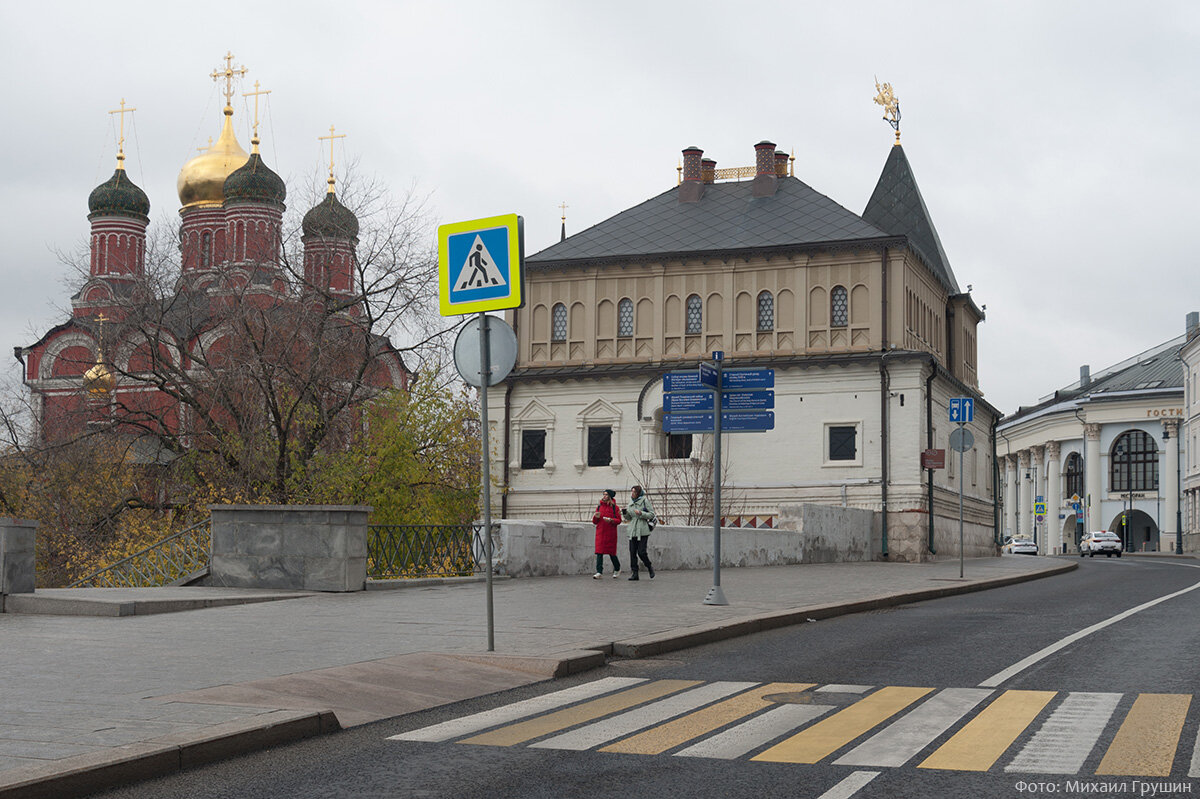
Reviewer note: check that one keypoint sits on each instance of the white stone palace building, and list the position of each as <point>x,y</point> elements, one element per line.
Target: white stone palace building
<point>1110,445</point>
<point>1189,440</point>
<point>860,316</point>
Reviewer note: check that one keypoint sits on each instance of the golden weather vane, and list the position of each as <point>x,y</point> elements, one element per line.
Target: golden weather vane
<point>891,106</point>
<point>331,137</point>
<point>229,73</point>
<point>121,139</point>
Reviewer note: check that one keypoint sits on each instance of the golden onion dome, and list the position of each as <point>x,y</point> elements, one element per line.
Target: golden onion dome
<point>98,381</point>
<point>202,179</point>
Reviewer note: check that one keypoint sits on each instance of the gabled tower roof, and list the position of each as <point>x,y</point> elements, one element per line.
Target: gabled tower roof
<point>897,207</point>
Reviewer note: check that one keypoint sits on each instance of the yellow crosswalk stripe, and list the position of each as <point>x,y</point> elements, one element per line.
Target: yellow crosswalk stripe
<point>588,711</point>
<point>667,736</point>
<point>979,744</point>
<point>1145,744</point>
<point>827,736</point>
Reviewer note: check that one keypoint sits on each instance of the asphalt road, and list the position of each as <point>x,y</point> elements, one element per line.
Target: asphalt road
<point>905,702</point>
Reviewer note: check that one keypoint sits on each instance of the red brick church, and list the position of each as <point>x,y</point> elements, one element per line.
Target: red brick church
<point>231,326</point>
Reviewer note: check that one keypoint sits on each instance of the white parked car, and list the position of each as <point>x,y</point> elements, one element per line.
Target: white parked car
<point>1101,541</point>
<point>1020,545</point>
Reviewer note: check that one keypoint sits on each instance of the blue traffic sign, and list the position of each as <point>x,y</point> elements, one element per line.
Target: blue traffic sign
<point>708,374</point>
<point>748,378</point>
<point>962,410</point>
<point>479,265</point>
<point>688,402</point>
<point>703,401</point>
<point>747,400</point>
<point>687,423</point>
<point>682,381</point>
<point>747,421</point>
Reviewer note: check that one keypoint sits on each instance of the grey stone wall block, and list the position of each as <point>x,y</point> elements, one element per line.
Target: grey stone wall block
<point>18,540</point>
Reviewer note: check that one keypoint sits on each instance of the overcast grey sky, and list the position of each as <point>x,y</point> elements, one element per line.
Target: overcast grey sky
<point>1052,141</point>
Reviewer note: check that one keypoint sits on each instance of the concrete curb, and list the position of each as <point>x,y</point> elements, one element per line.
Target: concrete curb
<point>658,643</point>
<point>85,774</point>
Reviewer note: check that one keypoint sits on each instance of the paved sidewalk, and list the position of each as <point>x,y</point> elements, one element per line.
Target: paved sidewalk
<point>89,700</point>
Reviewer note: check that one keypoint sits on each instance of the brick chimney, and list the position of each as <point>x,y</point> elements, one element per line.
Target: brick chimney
<point>781,163</point>
<point>765,182</point>
<point>708,170</point>
<point>692,188</point>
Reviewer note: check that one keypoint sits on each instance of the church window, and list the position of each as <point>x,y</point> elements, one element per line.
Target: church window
<point>839,307</point>
<point>766,312</point>
<point>558,323</point>
<point>533,449</point>
<point>695,315</point>
<point>1074,475</point>
<point>843,442</point>
<point>679,446</point>
<point>206,250</point>
<point>625,318</point>
<point>1134,462</point>
<point>599,446</point>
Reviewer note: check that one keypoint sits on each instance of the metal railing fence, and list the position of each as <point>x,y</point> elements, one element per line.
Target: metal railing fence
<point>159,564</point>
<point>397,551</point>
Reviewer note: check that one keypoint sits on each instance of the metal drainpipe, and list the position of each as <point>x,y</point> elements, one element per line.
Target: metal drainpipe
<point>507,445</point>
<point>929,443</point>
<point>883,407</point>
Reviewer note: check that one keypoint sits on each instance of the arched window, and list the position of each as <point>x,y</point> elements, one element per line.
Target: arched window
<point>766,312</point>
<point>839,307</point>
<point>1133,462</point>
<point>625,318</point>
<point>1074,473</point>
<point>695,315</point>
<point>558,323</point>
<point>206,249</point>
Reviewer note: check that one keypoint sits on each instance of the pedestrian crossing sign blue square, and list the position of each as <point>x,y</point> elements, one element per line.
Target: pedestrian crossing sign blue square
<point>480,265</point>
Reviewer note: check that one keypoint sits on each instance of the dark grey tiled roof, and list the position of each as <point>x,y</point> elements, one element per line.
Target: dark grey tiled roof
<point>897,207</point>
<point>726,218</point>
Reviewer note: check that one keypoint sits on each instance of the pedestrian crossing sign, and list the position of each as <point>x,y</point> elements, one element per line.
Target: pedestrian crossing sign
<point>480,265</point>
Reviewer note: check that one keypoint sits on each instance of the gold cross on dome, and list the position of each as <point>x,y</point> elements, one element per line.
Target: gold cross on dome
<point>255,94</point>
<point>564,208</point>
<point>228,74</point>
<point>121,139</point>
<point>331,137</point>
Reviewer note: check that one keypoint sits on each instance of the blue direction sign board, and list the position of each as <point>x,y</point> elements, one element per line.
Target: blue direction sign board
<point>703,401</point>
<point>708,374</point>
<point>731,422</point>
<point>688,423</point>
<point>682,381</point>
<point>962,410</point>
<point>747,378</point>
<point>747,400</point>
<point>688,402</point>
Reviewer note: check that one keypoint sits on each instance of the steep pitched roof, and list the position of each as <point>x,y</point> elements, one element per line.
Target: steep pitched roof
<point>726,218</point>
<point>897,207</point>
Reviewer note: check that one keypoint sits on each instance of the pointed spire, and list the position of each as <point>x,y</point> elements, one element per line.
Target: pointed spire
<point>564,207</point>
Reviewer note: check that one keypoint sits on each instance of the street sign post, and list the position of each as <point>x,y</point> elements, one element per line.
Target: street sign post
<point>480,269</point>
<point>962,410</point>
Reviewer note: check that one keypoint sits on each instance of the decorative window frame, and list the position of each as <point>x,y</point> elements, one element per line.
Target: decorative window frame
<point>834,319</point>
<point>857,461</point>
<point>698,302</point>
<point>625,318</point>
<point>761,310</point>
<point>600,413</point>
<point>554,325</point>
<point>534,416</point>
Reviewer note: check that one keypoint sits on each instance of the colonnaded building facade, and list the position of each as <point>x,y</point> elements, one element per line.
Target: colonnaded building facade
<point>1103,454</point>
<point>1189,440</point>
<point>860,316</point>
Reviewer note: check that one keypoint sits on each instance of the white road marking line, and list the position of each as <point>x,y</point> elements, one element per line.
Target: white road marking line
<point>610,729</point>
<point>903,739</point>
<point>1195,769</point>
<point>466,725</point>
<point>850,786</point>
<point>1067,738</point>
<point>756,732</point>
<point>844,689</point>
<point>998,678</point>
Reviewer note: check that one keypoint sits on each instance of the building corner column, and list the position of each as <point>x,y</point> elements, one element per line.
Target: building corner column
<point>1092,478</point>
<point>1170,522</point>
<point>1054,542</point>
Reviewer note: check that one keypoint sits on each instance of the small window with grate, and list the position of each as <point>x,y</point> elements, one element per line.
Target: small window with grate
<point>839,307</point>
<point>679,447</point>
<point>558,323</point>
<point>843,443</point>
<point>533,449</point>
<point>599,444</point>
<point>766,312</point>
<point>695,315</point>
<point>625,318</point>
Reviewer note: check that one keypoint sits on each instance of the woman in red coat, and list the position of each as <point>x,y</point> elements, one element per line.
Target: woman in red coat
<point>606,519</point>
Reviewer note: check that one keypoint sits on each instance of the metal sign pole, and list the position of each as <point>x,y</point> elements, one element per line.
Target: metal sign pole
<point>715,595</point>
<point>961,488</point>
<point>485,374</point>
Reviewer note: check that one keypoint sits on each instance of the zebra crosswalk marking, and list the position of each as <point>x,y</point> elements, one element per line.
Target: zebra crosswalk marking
<point>631,721</point>
<point>981,742</point>
<point>1194,771</point>
<point>756,732</point>
<point>518,710</point>
<point>693,725</point>
<point>589,711</point>
<point>904,739</point>
<point>1066,738</point>
<point>828,735</point>
<point>1145,744</point>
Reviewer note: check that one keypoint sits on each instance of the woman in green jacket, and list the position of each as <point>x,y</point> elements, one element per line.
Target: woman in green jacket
<point>641,520</point>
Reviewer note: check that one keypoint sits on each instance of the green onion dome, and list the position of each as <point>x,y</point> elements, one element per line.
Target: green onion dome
<point>254,181</point>
<point>331,220</point>
<point>118,196</point>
